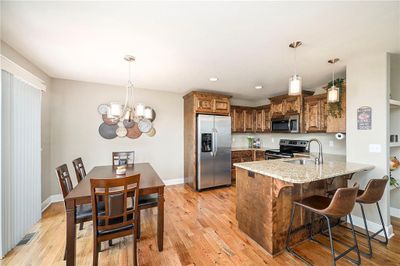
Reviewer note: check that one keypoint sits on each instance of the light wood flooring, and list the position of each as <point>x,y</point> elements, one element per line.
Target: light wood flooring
<point>200,229</point>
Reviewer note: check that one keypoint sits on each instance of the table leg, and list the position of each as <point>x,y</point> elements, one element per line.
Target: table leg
<point>71,233</point>
<point>160,220</point>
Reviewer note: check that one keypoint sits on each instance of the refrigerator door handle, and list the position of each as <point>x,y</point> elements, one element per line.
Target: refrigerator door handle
<point>215,142</point>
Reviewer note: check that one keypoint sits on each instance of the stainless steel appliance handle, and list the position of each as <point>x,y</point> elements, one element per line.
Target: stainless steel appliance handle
<point>290,130</point>
<point>215,142</point>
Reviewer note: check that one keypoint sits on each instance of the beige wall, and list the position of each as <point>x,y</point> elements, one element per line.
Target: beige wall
<point>75,123</point>
<point>367,85</point>
<point>17,58</point>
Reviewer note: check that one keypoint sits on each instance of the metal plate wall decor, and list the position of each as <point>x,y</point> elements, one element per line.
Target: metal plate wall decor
<point>128,124</point>
<point>145,125</point>
<point>152,132</point>
<point>108,131</point>
<point>102,109</point>
<point>133,129</point>
<point>134,132</point>
<point>108,121</point>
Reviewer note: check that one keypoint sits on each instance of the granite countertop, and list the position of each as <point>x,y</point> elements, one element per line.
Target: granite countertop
<point>333,166</point>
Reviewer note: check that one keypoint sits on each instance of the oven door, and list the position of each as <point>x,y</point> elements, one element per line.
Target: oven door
<point>280,125</point>
<point>294,124</point>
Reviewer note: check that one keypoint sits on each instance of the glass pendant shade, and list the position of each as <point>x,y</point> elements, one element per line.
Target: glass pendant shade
<point>148,113</point>
<point>115,109</point>
<point>295,83</point>
<point>333,94</point>
<point>139,110</point>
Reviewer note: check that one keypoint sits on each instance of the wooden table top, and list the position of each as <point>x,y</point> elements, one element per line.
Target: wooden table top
<point>149,179</point>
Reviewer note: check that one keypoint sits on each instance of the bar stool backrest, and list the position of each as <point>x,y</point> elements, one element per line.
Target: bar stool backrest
<point>342,202</point>
<point>374,190</point>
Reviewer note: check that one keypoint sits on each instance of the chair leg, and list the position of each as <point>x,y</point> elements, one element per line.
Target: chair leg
<point>369,254</point>
<point>358,262</point>
<point>95,252</point>
<point>383,226</point>
<point>65,253</point>
<point>138,225</point>
<point>311,226</point>
<point>80,226</point>
<point>135,256</point>
<point>331,241</point>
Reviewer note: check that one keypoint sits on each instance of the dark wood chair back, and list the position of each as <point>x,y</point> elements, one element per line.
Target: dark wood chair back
<point>342,202</point>
<point>64,179</point>
<point>123,158</point>
<point>373,191</point>
<point>79,169</point>
<point>114,193</point>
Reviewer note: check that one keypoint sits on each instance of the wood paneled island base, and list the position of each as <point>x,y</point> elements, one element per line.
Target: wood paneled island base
<point>264,205</point>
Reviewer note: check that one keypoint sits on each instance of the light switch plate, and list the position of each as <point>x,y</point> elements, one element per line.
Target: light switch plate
<point>375,148</point>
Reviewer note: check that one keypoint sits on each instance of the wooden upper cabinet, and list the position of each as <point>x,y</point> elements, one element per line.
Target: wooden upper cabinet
<point>248,120</point>
<point>267,118</point>
<point>237,117</point>
<point>221,105</point>
<point>210,103</point>
<point>315,113</point>
<point>337,124</point>
<point>292,105</point>
<point>277,107</point>
<point>259,123</point>
<point>203,104</point>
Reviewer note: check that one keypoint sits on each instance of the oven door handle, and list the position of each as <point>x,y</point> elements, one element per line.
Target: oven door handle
<point>289,122</point>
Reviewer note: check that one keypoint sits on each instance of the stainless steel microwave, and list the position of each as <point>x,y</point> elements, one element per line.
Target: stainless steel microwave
<point>288,124</point>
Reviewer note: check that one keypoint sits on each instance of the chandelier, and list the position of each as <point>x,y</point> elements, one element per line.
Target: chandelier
<point>127,119</point>
<point>295,81</point>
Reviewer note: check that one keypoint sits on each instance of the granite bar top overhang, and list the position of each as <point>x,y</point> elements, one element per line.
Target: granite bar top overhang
<point>300,174</point>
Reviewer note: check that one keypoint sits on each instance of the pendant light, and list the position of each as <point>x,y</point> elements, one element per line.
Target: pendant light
<point>128,111</point>
<point>333,91</point>
<point>295,81</point>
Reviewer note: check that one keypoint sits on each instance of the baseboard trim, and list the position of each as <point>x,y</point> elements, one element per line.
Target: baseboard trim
<point>395,212</point>
<point>51,199</point>
<point>175,181</point>
<point>372,227</point>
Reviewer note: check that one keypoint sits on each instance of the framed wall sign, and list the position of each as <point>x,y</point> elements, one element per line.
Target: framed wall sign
<point>364,118</point>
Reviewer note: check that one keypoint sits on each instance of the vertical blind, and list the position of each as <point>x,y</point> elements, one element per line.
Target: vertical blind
<point>20,159</point>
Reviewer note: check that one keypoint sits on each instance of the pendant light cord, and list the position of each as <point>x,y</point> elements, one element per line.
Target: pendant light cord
<point>295,62</point>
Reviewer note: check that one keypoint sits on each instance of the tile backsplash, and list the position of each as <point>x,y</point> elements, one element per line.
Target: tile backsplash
<point>271,141</point>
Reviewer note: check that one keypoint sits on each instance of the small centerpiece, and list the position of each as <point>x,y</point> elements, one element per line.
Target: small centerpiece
<point>121,170</point>
<point>250,140</point>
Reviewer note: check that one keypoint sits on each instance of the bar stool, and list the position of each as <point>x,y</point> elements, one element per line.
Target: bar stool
<point>372,195</point>
<point>340,205</point>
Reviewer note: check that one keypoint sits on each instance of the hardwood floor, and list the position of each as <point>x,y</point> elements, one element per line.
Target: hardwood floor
<point>200,229</point>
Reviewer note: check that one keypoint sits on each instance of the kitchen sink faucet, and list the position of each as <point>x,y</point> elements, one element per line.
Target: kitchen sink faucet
<point>320,158</point>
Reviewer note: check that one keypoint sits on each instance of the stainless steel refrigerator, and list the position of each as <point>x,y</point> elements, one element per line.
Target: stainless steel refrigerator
<point>213,151</point>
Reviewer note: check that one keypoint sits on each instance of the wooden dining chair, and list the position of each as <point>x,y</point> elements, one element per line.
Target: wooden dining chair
<point>120,197</point>
<point>79,169</point>
<point>84,211</point>
<point>123,158</point>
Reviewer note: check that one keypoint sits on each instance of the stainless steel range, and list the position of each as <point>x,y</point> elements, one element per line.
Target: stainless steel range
<point>287,148</point>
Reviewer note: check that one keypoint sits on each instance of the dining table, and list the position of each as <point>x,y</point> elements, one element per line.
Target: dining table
<point>150,183</point>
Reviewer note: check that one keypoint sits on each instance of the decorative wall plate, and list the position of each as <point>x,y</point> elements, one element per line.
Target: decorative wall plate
<point>145,125</point>
<point>152,132</point>
<point>134,132</point>
<point>128,124</point>
<point>121,132</point>
<point>108,131</point>
<point>102,109</point>
<point>109,121</point>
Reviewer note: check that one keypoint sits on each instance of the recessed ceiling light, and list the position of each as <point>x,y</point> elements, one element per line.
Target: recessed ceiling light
<point>258,87</point>
<point>213,79</point>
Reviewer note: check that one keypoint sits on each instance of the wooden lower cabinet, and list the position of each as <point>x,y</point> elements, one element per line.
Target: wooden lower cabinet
<point>242,156</point>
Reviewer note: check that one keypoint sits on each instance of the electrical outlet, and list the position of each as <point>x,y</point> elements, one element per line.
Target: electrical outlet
<point>331,144</point>
<point>375,148</point>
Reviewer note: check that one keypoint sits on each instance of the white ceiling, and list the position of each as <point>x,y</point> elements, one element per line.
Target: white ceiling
<point>179,45</point>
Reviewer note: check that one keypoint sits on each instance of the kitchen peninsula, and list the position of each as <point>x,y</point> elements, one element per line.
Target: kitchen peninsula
<point>266,190</point>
